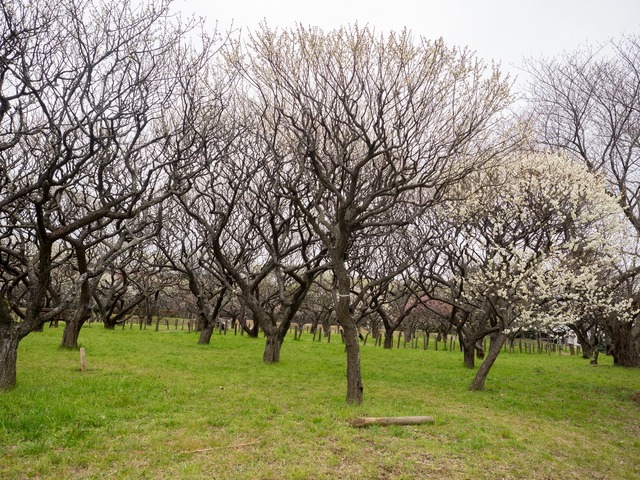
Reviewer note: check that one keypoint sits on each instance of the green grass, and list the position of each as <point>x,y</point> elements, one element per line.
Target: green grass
<point>157,405</point>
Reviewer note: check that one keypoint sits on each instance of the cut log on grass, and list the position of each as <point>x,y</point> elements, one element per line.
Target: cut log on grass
<point>365,421</point>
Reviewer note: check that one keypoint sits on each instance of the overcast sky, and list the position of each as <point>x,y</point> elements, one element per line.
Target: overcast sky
<point>503,30</point>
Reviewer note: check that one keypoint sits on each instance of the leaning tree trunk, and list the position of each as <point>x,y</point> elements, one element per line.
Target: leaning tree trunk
<point>206,332</point>
<point>497,341</point>
<point>624,347</point>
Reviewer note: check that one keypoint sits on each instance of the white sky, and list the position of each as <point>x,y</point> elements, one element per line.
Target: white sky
<point>502,30</point>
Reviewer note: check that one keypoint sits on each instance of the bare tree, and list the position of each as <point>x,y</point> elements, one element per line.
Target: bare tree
<point>263,252</point>
<point>373,127</point>
<point>184,245</point>
<point>118,293</point>
<point>86,96</point>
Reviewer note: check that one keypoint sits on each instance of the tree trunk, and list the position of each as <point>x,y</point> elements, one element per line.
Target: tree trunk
<point>274,345</point>
<point>468,354</point>
<point>355,387</point>
<point>8,357</point>
<point>206,333</point>
<point>71,332</point>
<point>624,348</point>
<point>497,341</point>
<point>388,339</point>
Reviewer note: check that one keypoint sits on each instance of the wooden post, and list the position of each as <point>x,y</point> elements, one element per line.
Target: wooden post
<point>83,360</point>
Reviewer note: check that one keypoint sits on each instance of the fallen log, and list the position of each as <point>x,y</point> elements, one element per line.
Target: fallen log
<point>365,421</point>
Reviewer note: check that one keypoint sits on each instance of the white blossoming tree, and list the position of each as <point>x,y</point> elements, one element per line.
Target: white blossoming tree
<point>531,242</point>
<point>586,103</point>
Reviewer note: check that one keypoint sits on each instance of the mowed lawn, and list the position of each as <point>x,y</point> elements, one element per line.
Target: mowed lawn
<point>156,405</point>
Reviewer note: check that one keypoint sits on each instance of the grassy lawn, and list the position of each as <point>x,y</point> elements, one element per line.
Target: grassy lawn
<point>157,405</point>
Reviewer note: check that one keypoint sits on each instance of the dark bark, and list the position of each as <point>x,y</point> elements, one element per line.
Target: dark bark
<point>272,348</point>
<point>250,331</point>
<point>74,319</point>
<point>73,324</point>
<point>625,346</point>
<point>355,388</point>
<point>209,321</point>
<point>314,324</point>
<point>8,358</point>
<point>9,340</point>
<point>11,332</point>
<point>388,339</point>
<point>326,325</point>
<point>586,336</point>
<point>110,319</point>
<point>468,355</point>
<point>497,341</point>
<point>206,333</point>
